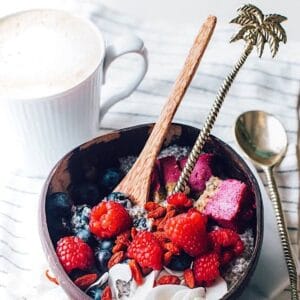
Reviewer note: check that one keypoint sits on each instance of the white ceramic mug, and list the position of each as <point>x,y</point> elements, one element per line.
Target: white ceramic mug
<point>50,100</point>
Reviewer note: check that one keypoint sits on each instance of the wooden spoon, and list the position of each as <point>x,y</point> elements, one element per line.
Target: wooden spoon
<point>136,184</point>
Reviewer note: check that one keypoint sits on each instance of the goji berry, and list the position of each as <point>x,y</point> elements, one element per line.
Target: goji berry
<point>167,257</point>
<point>169,246</point>
<point>133,232</point>
<point>136,272</point>
<point>189,278</point>
<point>106,295</point>
<point>116,258</point>
<point>86,280</point>
<point>168,279</point>
<point>149,206</point>
<point>119,247</point>
<point>157,213</point>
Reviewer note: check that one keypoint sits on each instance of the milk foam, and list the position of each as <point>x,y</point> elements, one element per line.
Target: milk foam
<point>45,52</point>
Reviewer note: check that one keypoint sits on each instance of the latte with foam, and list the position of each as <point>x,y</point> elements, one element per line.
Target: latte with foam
<point>43,53</point>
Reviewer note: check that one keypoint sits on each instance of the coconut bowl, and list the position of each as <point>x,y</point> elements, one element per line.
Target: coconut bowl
<point>86,162</point>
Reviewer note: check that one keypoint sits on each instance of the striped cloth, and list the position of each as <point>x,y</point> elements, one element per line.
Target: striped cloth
<point>263,84</point>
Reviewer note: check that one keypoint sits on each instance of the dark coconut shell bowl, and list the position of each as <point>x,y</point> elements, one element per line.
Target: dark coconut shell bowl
<point>86,162</point>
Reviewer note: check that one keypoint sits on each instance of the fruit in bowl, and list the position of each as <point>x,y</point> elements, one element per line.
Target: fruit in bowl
<point>204,242</point>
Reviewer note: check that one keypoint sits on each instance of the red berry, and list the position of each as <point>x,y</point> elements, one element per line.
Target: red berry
<point>86,280</point>
<point>136,272</point>
<point>168,279</point>
<point>106,295</point>
<point>206,269</point>
<point>188,231</point>
<point>115,259</point>
<point>157,213</point>
<point>146,250</point>
<point>179,200</point>
<point>150,205</point>
<point>227,243</point>
<point>108,219</point>
<point>189,278</point>
<point>74,253</point>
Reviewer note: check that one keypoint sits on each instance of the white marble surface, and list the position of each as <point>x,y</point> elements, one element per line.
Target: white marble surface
<point>193,10</point>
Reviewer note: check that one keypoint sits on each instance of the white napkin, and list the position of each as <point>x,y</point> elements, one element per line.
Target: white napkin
<point>266,84</point>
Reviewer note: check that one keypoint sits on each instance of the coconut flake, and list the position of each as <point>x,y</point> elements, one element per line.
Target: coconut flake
<point>120,281</point>
<point>172,272</point>
<point>164,292</point>
<point>217,290</point>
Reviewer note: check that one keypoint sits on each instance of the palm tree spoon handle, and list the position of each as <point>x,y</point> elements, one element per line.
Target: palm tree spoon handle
<point>257,30</point>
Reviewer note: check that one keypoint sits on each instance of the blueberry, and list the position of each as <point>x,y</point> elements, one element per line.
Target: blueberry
<point>57,233</point>
<point>58,227</point>
<point>180,262</point>
<point>120,198</point>
<point>86,236</point>
<point>107,244</point>
<point>116,196</point>
<point>95,292</point>
<point>59,204</point>
<point>103,257</point>
<point>111,178</point>
<point>86,193</point>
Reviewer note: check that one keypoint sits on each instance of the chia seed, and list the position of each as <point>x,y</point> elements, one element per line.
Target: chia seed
<point>174,150</point>
<point>126,163</point>
<point>80,217</point>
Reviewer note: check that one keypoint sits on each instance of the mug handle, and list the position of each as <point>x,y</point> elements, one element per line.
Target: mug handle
<point>123,45</point>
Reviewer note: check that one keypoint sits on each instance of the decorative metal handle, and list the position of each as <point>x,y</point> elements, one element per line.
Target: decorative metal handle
<point>209,122</point>
<point>257,30</point>
<point>281,225</point>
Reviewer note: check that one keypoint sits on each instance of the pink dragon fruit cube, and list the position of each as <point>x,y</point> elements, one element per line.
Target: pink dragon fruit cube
<point>201,173</point>
<point>228,204</point>
<point>170,172</point>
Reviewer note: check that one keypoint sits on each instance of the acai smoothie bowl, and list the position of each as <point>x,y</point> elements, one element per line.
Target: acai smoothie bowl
<point>203,243</point>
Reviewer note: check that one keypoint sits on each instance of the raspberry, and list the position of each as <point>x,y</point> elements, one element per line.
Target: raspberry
<point>179,200</point>
<point>74,253</point>
<point>206,269</point>
<point>188,231</point>
<point>146,250</point>
<point>227,243</point>
<point>108,219</point>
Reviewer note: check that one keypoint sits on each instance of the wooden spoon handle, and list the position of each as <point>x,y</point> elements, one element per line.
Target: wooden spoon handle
<point>180,86</point>
<point>136,183</point>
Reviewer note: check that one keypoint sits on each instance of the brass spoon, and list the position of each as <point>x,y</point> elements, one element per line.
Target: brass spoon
<point>136,183</point>
<point>263,138</point>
